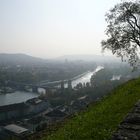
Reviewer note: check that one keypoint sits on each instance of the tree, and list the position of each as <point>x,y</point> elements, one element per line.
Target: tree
<point>102,77</point>
<point>123,31</point>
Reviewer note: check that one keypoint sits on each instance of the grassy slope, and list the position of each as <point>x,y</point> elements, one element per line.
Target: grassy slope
<point>100,120</point>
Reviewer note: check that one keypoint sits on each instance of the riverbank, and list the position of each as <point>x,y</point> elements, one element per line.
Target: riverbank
<point>75,79</point>
<point>100,120</point>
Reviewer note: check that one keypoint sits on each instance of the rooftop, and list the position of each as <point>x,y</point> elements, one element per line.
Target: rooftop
<point>15,106</point>
<point>18,130</point>
<point>34,101</point>
<point>56,113</point>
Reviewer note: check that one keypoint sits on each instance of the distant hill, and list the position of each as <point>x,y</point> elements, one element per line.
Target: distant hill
<point>96,58</point>
<point>23,59</point>
<point>20,59</point>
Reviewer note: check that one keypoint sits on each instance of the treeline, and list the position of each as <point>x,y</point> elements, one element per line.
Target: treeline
<point>51,72</point>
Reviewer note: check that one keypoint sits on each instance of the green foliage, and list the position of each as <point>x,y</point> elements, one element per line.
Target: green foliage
<point>100,120</point>
<point>102,77</point>
<point>123,31</point>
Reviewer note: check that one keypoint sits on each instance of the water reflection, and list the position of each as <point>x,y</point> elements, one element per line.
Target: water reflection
<point>16,97</point>
<point>86,77</point>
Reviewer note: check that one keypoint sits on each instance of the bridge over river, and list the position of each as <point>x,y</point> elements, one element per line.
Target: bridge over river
<point>21,95</point>
<point>82,78</point>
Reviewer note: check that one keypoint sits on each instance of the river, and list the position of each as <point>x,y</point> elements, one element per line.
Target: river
<point>19,96</point>
<point>85,78</point>
<point>16,97</point>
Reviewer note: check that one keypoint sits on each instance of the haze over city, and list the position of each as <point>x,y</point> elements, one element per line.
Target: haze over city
<point>69,69</point>
<point>52,28</point>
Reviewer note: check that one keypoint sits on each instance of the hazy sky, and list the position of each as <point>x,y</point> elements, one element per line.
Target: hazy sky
<point>51,28</point>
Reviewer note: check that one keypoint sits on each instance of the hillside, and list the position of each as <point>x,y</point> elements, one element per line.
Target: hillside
<point>20,59</point>
<point>100,119</point>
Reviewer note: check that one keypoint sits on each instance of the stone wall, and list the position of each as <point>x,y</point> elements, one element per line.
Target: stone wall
<point>129,129</point>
